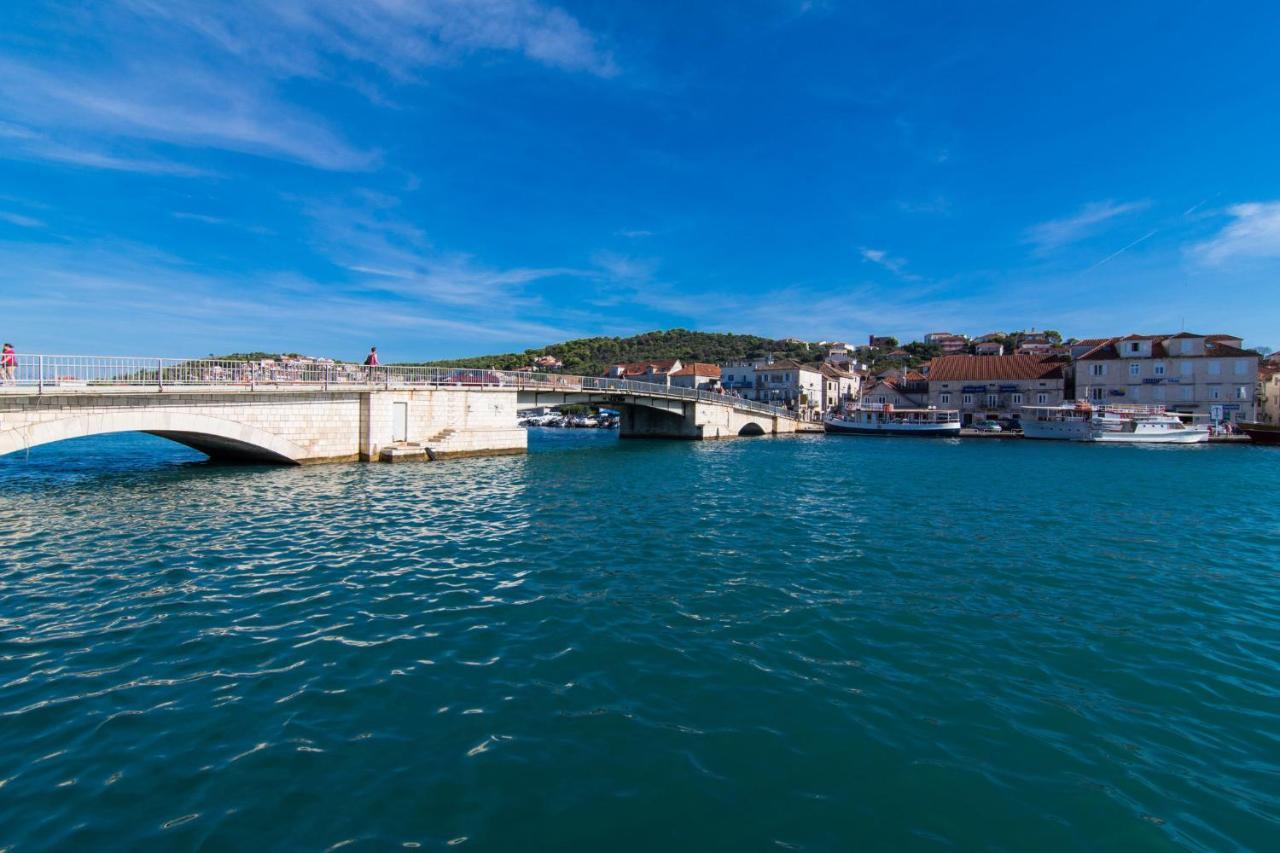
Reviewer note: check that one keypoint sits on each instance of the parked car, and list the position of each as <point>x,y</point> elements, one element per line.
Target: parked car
<point>987,426</point>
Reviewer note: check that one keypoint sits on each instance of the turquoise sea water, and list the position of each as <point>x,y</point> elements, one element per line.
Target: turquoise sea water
<point>799,643</point>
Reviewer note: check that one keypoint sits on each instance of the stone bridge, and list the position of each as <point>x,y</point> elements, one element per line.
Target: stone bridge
<point>245,412</point>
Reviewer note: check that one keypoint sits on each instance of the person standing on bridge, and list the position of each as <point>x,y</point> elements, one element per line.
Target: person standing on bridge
<point>371,360</point>
<point>9,364</point>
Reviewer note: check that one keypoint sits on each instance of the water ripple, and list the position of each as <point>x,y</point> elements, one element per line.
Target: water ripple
<point>797,643</point>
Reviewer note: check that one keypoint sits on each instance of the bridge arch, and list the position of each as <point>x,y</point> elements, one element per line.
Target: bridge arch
<point>216,437</point>
<point>751,428</point>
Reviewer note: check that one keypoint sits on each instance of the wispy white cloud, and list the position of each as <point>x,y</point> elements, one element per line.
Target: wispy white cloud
<point>633,233</point>
<point>23,143</point>
<point>181,106</point>
<point>881,258</point>
<point>192,74</point>
<point>220,221</point>
<point>1055,233</point>
<point>1254,232</point>
<point>20,220</point>
<point>104,294</point>
<point>401,37</point>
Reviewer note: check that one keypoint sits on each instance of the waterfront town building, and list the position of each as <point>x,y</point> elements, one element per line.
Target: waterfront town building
<point>739,377</point>
<point>994,387</point>
<point>988,348</point>
<point>1197,374</point>
<point>791,384</point>
<point>908,390</point>
<point>839,387</point>
<point>1269,393</point>
<point>703,377</point>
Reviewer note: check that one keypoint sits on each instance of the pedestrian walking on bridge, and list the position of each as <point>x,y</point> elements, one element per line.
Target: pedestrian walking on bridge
<point>9,364</point>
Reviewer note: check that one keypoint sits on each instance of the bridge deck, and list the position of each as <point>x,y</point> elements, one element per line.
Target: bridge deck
<point>62,375</point>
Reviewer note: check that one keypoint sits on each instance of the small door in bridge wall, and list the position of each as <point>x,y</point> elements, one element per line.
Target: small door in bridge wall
<point>399,421</point>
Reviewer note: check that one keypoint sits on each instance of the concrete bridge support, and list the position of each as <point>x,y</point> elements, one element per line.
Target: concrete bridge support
<point>697,421</point>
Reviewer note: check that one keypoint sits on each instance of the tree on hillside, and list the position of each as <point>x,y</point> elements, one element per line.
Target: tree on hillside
<point>592,356</point>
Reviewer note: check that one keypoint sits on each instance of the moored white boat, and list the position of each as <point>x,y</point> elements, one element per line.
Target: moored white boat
<point>878,419</point>
<point>1145,425</point>
<point>1079,421</point>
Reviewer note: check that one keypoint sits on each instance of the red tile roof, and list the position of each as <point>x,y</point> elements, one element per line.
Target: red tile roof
<point>1219,348</point>
<point>1215,347</point>
<point>633,368</point>
<point>963,368</point>
<point>697,368</point>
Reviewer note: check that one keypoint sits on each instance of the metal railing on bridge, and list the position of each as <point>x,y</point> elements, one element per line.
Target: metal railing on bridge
<point>80,372</point>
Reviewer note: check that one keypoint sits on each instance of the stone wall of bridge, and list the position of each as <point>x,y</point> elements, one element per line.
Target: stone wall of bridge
<point>272,426</point>
<point>452,422</point>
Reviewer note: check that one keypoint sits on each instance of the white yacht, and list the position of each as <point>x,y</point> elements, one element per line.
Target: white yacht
<point>1145,425</point>
<point>1080,421</point>
<point>884,419</point>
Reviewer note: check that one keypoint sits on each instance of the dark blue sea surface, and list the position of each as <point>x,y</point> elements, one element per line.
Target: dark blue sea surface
<point>797,643</point>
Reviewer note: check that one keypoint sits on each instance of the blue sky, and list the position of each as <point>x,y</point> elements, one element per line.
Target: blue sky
<point>447,177</point>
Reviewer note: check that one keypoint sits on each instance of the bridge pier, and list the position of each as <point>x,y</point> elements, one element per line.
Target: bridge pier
<point>698,421</point>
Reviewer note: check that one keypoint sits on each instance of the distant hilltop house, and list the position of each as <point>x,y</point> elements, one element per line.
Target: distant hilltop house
<point>995,387</point>
<point>1034,343</point>
<point>645,371</point>
<point>881,341</point>
<point>839,355</point>
<point>548,362</point>
<point>1195,374</point>
<point>950,344</point>
<point>703,377</point>
<point>988,348</point>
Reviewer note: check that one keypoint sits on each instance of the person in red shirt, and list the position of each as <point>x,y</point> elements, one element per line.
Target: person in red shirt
<point>9,364</point>
<point>371,360</point>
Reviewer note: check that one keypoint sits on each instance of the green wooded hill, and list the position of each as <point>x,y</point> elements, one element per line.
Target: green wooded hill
<point>592,356</point>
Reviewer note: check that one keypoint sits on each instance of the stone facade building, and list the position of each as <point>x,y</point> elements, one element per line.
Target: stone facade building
<point>994,387</point>
<point>1204,374</point>
<point>695,374</point>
